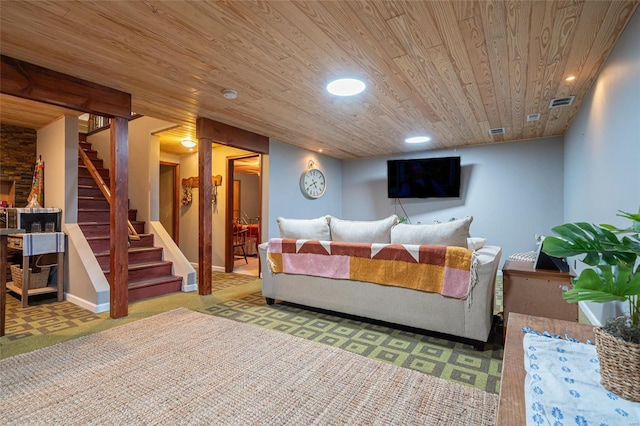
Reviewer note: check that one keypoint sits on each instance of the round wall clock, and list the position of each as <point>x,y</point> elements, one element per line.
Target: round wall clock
<point>313,183</point>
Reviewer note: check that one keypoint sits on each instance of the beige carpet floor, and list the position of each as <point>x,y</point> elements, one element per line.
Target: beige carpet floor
<point>210,370</point>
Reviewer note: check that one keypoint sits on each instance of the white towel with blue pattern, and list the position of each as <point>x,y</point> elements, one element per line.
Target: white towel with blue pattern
<point>562,386</point>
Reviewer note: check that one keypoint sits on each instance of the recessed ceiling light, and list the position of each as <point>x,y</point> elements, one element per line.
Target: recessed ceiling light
<point>418,139</point>
<point>229,94</point>
<point>345,87</point>
<point>188,143</point>
<point>570,78</point>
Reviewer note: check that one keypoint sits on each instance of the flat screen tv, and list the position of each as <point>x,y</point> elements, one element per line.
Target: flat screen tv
<point>424,178</point>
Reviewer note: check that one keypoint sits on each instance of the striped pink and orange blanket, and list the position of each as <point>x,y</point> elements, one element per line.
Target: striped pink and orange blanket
<point>449,271</point>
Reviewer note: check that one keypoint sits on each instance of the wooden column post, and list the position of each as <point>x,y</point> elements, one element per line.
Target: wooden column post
<point>3,281</point>
<point>119,262</point>
<point>208,131</point>
<point>204,215</point>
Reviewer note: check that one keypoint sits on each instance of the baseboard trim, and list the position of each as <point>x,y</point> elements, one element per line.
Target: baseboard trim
<point>213,268</point>
<point>589,314</point>
<point>83,303</point>
<point>190,287</point>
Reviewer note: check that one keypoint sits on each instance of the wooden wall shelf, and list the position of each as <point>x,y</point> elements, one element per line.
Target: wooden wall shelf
<point>8,192</point>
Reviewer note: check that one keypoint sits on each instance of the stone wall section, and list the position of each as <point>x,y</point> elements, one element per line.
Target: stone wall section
<point>18,150</point>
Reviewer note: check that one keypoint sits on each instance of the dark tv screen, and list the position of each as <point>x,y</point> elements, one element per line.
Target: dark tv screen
<point>424,178</point>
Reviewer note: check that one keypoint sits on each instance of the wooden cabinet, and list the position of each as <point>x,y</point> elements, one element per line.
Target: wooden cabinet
<point>33,245</point>
<point>536,292</point>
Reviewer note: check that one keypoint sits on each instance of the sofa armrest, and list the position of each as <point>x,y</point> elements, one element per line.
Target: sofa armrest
<point>488,254</point>
<point>478,320</point>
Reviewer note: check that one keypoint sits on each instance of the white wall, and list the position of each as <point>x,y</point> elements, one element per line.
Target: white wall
<point>602,145</point>
<point>58,146</point>
<point>188,237</point>
<point>249,194</point>
<point>286,165</point>
<point>602,150</point>
<point>169,158</point>
<point>513,191</point>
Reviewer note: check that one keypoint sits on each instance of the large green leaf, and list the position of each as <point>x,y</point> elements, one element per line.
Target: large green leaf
<point>611,252</point>
<point>604,283</point>
<point>635,220</point>
<point>598,244</point>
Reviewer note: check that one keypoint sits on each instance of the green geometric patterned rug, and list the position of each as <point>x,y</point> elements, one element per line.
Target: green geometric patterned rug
<point>433,355</point>
<point>237,297</point>
<point>44,316</point>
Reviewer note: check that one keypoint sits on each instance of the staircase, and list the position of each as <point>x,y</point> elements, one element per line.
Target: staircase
<point>149,275</point>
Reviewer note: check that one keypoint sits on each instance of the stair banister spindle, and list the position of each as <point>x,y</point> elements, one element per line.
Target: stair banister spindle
<point>133,234</point>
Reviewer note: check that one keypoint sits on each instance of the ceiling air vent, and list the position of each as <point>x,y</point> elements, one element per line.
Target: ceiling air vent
<point>496,131</point>
<point>533,117</point>
<point>560,102</point>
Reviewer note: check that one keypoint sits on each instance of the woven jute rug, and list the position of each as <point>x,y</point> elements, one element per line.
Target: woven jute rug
<point>184,367</point>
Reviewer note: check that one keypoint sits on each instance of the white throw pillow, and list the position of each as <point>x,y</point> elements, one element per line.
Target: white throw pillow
<point>475,243</point>
<point>366,231</point>
<point>305,229</point>
<point>453,233</point>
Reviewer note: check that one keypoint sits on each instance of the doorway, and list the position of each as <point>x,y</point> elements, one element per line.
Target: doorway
<point>244,203</point>
<point>169,196</point>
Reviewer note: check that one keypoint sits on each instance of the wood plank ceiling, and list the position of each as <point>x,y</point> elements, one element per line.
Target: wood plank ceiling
<point>451,70</point>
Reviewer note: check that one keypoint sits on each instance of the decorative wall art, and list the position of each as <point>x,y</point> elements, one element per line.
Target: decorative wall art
<point>194,182</point>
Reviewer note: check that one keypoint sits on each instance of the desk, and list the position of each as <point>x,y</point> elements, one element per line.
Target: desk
<point>33,245</point>
<point>511,408</point>
<point>4,233</point>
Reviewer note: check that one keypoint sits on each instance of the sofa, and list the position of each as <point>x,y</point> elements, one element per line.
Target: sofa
<point>380,269</point>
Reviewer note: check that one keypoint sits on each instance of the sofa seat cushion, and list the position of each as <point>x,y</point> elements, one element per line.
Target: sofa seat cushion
<point>453,233</point>
<point>366,231</point>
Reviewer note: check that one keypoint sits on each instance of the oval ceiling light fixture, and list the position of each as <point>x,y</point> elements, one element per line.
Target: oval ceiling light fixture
<point>229,94</point>
<point>346,87</point>
<point>188,143</point>
<point>417,139</point>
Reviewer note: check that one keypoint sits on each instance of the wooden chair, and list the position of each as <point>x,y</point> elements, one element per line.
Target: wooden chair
<point>240,217</point>
<point>239,239</point>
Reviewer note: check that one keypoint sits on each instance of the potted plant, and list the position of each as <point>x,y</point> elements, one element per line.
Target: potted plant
<point>613,275</point>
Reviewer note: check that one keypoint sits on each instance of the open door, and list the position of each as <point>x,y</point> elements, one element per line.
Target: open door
<point>169,199</point>
<point>243,212</point>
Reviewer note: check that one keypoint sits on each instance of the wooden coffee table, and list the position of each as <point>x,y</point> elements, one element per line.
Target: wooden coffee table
<point>511,407</point>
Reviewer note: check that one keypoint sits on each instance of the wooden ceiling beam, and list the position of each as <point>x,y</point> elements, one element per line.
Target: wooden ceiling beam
<point>25,80</point>
<point>232,136</point>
